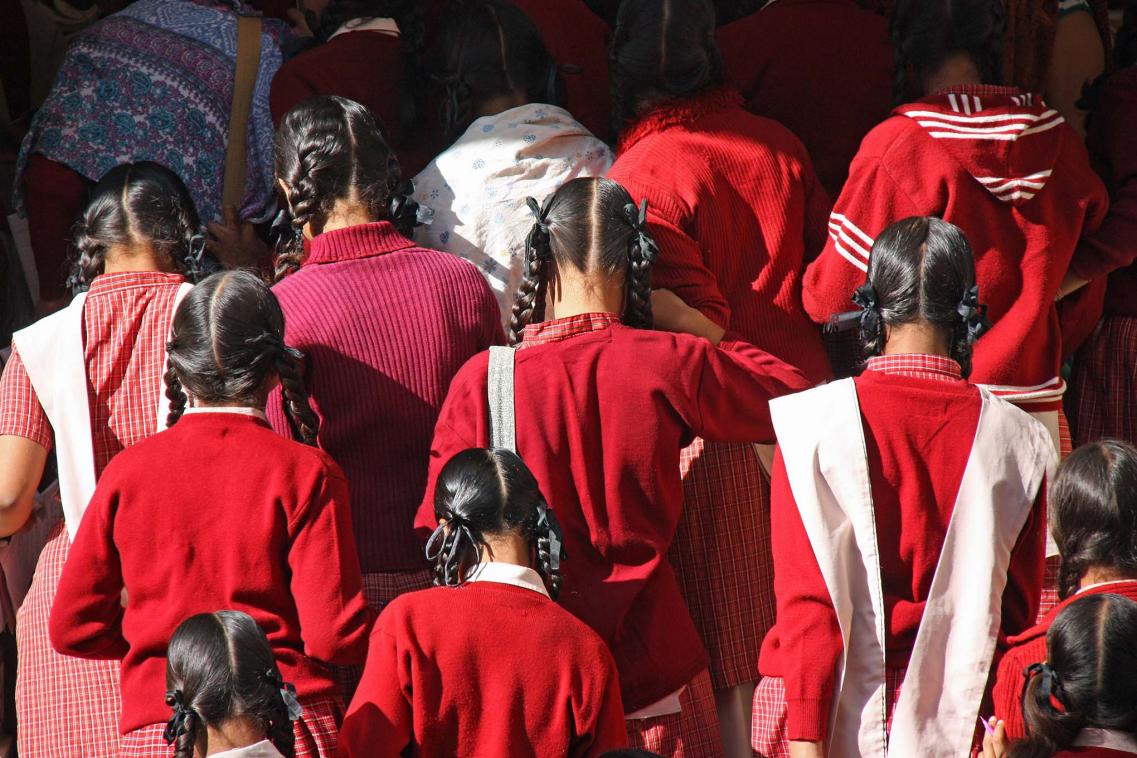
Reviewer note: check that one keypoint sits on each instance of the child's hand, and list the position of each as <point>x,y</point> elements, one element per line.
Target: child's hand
<point>995,745</point>
<point>235,243</point>
<point>671,314</point>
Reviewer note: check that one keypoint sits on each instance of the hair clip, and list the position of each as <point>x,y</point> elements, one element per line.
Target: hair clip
<point>287,693</point>
<point>176,726</point>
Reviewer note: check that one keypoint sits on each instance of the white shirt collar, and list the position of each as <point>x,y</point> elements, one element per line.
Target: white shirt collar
<point>262,749</point>
<point>508,573</point>
<point>240,411</point>
<point>382,25</point>
<point>1107,738</point>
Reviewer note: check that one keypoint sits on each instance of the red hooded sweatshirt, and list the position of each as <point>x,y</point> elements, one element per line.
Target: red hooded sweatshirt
<point>1005,168</point>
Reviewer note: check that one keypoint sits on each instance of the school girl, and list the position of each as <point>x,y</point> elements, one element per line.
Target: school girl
<point>384,325</point>
<point>509,140</point>
<point>603,407</point>
<point>737,212</point>
<point>1093,511</point>
<point>524,675</point>
<point>995,161</point>
<point>220,512</point>
<point>87,381</point>
<point>908,515</point>
<point>226,692</point>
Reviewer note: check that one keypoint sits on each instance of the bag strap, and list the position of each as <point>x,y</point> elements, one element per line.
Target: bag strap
<point>499,383</point>
<point>244,81</point>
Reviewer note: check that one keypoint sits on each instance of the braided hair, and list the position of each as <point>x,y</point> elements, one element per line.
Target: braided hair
<point>330,148</point>
<point>661,50</point>
<point>491,49</point>
<point>922,268</point>
<point>484,493</point>
<point>140,203</point>
<point>926,33</point>
<point>227,344</point>
<point>220,666</point>
<point>1093,512</point>
<point>1089,678</point>
<point>590,225</point>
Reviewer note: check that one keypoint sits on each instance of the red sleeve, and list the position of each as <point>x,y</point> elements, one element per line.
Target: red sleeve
<point>86,615</point>
<point>288,90</point>
<point>1025,572</point>
<point>818,206</point>
<point>1009,681</point>
<point>681,269</point>
<point>601,728</point>
<point>869,202</point>
<point>380,719</point>
<point>326,581</point>
<point>808,645</point>
<point>21,414</point>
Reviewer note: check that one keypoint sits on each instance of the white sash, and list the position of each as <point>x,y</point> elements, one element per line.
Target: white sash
<point>52,353</point>
<point>822,442</point>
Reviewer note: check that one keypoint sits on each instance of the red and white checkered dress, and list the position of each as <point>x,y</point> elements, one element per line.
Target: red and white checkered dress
<point>691,733</point>
<point>317,734</point>
<point>69,706</point>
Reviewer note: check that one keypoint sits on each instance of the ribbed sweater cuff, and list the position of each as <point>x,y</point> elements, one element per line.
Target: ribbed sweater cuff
<point>807,720</point>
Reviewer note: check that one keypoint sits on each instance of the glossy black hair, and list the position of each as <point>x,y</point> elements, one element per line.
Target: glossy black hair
<point>330,148</point>
<point>925,33</point>
<point>922,268</point>
<point>227,341</point>
<point>661,50</point>
<point>491,49</point>
<point>1093,512</point>
<point>220,665</point>
<point>137,203</point>
<point>589,224</point>
<point>482,492</point>
<point>1089,679</point>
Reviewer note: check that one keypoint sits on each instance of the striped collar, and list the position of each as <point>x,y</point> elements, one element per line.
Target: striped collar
<point>916,366</point>
<point>508,573</point>
<point>563,328</point>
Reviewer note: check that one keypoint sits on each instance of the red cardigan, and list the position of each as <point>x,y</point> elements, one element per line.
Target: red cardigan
<point>237,518</point>
<point>1030,647</point>
<point>822,68</point>
<point>481,670</point>
<point>384,326</point>
<point>602,413</point>
<point>737,211</point>
<point>940,156</point>
<point>918,434</point>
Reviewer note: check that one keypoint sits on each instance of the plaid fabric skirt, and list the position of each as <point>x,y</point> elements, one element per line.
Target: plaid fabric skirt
<point>691,733</point>
<point>1104,384</point>
<point>65,706</point>
<point>768,735</point>
<point>378,590</point>
<point>317,734</point>
<point>722,558</point>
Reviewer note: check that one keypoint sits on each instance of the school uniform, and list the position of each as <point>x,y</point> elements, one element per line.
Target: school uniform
<point>821,68</point>
<point>248,521</point>
<point>1105,372</point>
<point>895,573</point>
<point>520,675</point>
<point>719,180</point>
<point>112,341</point>
<point>605,452</point>
<point>1029,647</point>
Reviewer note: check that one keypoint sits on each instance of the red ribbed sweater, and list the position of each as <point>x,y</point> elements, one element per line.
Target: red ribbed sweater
<point>737,212</point>
<point>384,326</point>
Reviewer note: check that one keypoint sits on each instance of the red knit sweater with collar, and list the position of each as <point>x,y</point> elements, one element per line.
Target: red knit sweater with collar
<point>384,326</point>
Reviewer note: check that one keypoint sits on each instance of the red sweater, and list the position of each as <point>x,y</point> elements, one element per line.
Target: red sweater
<point>440,680</point>
<point>918,435</point>
<point>605,450</point>
<point>1022,202</point>
<point>239,518</point>
<point>737,211</point>
<point>384,326</point>
<point>823,68</point>
<point>1030,647</point>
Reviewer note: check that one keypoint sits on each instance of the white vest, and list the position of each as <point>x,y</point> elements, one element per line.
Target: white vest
<point>822,442</point>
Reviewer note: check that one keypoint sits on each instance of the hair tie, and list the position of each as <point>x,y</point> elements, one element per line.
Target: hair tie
<point>1050,685</point>
<point>547,521</point>
<point>870,318</point>
<point>281,226</point>
<point>973,313</point>
<point>194,259</point>
<point>538,216</point>
<point>270,342</point>
<point>637,219</point>
<point>287,694</point>
<point>176,726</point>
<point>461,531</point>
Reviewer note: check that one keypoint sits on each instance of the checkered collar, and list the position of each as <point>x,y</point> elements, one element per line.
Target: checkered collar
<point>916,365</point>
<point>563,328</point>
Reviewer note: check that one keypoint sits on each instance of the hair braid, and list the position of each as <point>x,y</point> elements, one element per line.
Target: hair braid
<point>303,208</point>
<point>294,398</point>
<point>176,395</point>
<point>186,741</point>
<point>642,252</point>
<point>529,303</point>
<point>280,732</point>
<point>545,558</point>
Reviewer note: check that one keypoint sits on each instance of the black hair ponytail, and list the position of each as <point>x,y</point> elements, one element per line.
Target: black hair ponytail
<point>926,33</point>
<point>219,666</point>
<point>588,224</point>
<point>227,341</point>
<point>139,203</point>
<point>1088,680</point>
<point>481,493</point>
<point>330,148</point>
<point>922,268</point>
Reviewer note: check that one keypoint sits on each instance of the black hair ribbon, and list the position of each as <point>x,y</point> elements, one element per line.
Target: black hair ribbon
<point>1050,685</point>
<point>287,693</point>
<point>973,313</point>
<point>195,258</point>
<point>637,218</point>
<point>547,522</point>
<point>176,726</point>
<point>460,529</point>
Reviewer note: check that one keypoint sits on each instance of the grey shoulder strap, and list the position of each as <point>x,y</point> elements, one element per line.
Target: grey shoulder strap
<point>499,383</point>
